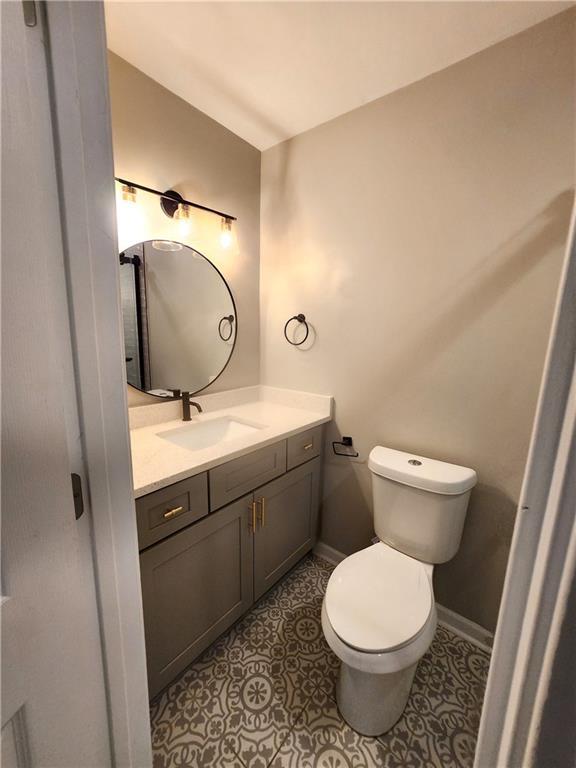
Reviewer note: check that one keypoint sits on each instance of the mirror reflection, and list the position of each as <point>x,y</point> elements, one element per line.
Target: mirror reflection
<point>179,318</point>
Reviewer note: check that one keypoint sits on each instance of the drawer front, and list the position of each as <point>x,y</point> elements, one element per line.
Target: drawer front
<point>307,445</point>
<point>164,512</point>
<point>237,477</point>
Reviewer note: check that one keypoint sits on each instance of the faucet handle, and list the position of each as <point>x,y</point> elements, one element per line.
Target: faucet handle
<point>185,406</point>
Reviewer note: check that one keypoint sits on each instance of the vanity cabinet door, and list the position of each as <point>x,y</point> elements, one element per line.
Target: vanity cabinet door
<point>194,586</point>
<point>287,515</point>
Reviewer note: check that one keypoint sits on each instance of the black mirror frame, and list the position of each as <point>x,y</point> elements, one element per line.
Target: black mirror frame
<point>234,310</point>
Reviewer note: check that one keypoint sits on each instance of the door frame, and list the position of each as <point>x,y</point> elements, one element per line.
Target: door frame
<point>81,111</point>
<point>542,565</point>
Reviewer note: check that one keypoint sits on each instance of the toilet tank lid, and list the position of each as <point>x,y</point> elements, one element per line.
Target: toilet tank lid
<point>420,472</point>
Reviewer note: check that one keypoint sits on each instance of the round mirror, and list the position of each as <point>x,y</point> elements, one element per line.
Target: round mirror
<point>179,318</point>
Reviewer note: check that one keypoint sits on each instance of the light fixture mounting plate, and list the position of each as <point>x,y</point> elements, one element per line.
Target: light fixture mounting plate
<point>170,201</point>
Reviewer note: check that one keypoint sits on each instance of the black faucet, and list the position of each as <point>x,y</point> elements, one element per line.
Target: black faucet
<point>186,403</point>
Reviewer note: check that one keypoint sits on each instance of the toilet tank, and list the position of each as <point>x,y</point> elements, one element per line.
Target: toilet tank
<point>419,504</point>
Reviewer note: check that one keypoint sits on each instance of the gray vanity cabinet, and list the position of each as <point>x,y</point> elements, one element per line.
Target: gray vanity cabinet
<point>195,584</point>
<point>206,554</point>
<point>287,514</point>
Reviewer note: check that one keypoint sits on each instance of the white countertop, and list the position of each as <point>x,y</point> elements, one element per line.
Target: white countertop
<point>156,462</point>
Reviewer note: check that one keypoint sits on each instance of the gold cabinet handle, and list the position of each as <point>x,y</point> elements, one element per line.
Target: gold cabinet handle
<point>253,521</point>
<point>262,515</point>
<point>308,446</point>
<point>170,513</point>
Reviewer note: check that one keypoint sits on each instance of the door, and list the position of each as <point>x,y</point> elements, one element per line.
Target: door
<point>287,519</point>
<point>195,584</point>
<point>54,711</point>
<point>528,712</point>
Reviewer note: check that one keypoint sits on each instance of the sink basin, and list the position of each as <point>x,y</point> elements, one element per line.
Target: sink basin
<point>203,434</point>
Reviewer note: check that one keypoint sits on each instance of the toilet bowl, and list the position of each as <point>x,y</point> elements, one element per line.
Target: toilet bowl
<point>379,618</point>
<point>378,613</point>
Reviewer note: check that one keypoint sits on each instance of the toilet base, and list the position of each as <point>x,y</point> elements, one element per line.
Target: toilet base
<point>371,704</point>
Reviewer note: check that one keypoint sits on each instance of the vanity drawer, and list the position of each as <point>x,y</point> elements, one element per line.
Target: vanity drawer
<point>164,512</point>
<point>240,476</point>
<point>307,445</point>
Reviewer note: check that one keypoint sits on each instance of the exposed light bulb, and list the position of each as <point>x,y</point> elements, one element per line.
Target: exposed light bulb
<point>183,216</point>
<point>131,225</point>
<point>183,229</point>
<point>226,233</point>
<point>128,193</point>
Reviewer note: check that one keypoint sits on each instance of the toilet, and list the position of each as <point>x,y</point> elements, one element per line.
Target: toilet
<point>378,613</point>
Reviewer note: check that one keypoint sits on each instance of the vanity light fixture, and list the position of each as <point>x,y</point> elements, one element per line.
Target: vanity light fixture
<point>170,200</point>
<point>226,233</point>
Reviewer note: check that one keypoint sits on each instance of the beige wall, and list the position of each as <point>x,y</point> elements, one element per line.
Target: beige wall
<point>422,235</point>
<point>163,142</point>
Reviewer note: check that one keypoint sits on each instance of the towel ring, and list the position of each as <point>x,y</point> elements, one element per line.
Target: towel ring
<point>301,319</point>
<point>229,319</point>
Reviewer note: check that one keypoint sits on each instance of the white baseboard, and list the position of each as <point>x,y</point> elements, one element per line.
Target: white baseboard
<point>465,628</point>
<point>328,553</point>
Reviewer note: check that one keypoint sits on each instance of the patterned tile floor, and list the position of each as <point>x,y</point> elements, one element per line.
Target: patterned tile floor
<point>263,696</point>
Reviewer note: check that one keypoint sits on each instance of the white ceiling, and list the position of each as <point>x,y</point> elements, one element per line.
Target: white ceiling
<point>270,70</point>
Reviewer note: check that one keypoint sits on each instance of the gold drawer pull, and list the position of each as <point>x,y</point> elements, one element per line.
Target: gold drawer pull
<point>307,446</point>
<point>170,513</point>
<point>253,522</point>
<point>262,515</point>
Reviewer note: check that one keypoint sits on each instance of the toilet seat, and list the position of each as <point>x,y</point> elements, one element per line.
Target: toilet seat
<point>379,600</point>
<point>381,663</point>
